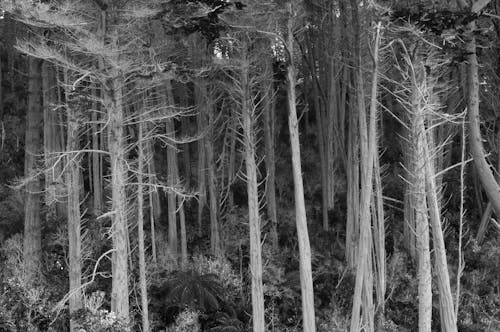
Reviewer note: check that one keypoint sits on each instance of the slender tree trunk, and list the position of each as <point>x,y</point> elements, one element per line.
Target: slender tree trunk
<point>215,244</point>
<point>32,249</point>
<point>73,186</point>
<point>140,230</point>
<point>448,319</point>
<point>202,190</point>
<point>1,92</point>
<point>306,282</point>
<point>172,180</point>
<point>269,110</point>
<point>379,243</point>
<point>96,161</point>
<point>253,201</point>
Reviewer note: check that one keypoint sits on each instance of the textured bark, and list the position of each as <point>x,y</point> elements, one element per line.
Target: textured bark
<point>363,291</point>
<point>171,177</point>
<point>73,186</point>
<point>215,244</point>
<point>306,282</point>
<point>32,249</point>
<point>484,172</point>
<point>119,231</point>
<point>248,117</point>
<point>201,122</point>
<point>269,114</point>
<point>140,231</point>
<point>420,205</point>
<point>448,319</point>
<point>51,143</point>
<point>97,184</point>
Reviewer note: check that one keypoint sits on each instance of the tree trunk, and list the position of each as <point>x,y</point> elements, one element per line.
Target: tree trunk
<point>97,184</point>
<point>248,115</point>
<point>171,176</point>
<point>73,186</point>
<point>269,111</point>
<point>32,249</point>
<point>448,319</point>
<point>306,282</point>
<point>420,206</point>
<point>140,230</point>
<point>51,143</point>
<point>490,185</point>
<point>202,190</point>
<point>116,146</point>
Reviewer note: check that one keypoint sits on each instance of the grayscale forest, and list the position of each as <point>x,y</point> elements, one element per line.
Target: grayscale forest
<point>253,165</point>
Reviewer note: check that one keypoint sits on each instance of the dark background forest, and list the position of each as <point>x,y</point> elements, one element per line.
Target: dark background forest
<point>281,165</point>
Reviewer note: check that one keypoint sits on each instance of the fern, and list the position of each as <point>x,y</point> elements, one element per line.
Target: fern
<point>190,289</point>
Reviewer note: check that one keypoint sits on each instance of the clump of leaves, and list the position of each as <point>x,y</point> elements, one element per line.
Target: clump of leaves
<point>24,306</point>
<point>188,321</point>
<point>93,318</point>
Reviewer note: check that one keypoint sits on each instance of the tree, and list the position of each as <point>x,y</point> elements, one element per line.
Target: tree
<point>32,223</point>
<point>306,282</point>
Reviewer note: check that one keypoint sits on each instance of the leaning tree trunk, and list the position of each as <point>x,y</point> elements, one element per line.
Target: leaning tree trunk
<point>448,319</point>
<point>488,181</point>
<point>73,187</point>
<point>248,115</point>
<point>32,249</point>
<point>306,282</point>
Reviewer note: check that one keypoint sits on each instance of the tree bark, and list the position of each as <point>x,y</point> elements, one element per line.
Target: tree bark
<point>32,249</point>
<point>269,111</point>
<point>73,186</point>
<point>485,174</point>
<point>51,143</point>
<point>140,230</point>
<point>448,319</point>
<point>420,206</point>
<point>116,146</point>
<point>248,116</point>
<point>306,282</point>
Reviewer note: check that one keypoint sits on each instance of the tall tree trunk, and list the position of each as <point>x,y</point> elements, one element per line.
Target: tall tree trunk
<point>363,291</point>
<point>140,230</point>
<point>306,282</point>
<point>490,185</point>
<point>448,319</point>
<point>52,146</point>
<point>1,92</point>
<point>202,190</point>
<point>248,115</point>
<point>171,176</point>
<point>73,186</point>
<point>420,205</point>
<point>116,146</point>
<point>269,111</point>
<point>32,249</point>
<point>97,184</point>
<point>215,243</point>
